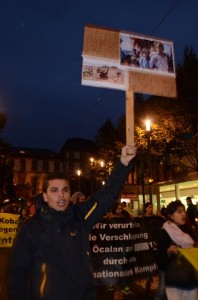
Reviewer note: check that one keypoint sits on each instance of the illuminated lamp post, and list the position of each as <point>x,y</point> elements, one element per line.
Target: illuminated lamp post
<point>150,180</point>
<point>92,173</point>
<point>102,163</point>
<point>78,172</point>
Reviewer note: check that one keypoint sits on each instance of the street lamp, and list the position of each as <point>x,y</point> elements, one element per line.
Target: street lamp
<point>78,172</point>
<point>92,160</point>
<point>148,125</point>
<point>150,180</point>
<point>92,173</point>
<point>102,163</point>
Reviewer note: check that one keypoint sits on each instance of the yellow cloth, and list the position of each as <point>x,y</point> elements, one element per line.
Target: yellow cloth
<point>191,254</point>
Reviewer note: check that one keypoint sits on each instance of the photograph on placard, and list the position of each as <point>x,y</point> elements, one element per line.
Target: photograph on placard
<point>146,54</point>
<point>103,74</point>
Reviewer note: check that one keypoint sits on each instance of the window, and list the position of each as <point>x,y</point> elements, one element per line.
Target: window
<point>22,165</point>
<point>45,166</point>
<point>76,155</point>
<point>34,165</point>
<point>21,179</point>
<point>56,166</point>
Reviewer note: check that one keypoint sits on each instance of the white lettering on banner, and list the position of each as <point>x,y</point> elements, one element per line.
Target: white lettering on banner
<point>100,225</point>
<point>92,237</point>
<point>148,268</point>
<point>124,225</point>
<point>115,261</point>
<point>111,274</point>
<point>129,225</point>
<point>124,248</point>
<point>97,249</point>
<point>129,236</point>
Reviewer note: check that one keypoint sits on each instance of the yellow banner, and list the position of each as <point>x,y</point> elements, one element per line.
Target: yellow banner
<point>191,254</point>
<point>8,229</point>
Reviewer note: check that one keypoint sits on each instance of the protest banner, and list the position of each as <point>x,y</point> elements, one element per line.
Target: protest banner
<point>124,249</point>
<point>8,229</point>
<point>118,250</point>
<point>191,254</point>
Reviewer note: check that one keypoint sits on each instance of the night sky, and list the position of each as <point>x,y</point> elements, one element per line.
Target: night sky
<point>41,43</point>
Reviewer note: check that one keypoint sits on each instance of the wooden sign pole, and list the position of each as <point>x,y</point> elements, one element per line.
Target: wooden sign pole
<point>129,117</point>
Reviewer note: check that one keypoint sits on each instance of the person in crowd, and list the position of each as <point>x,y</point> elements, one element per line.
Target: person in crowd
<point>50,256</point>
<point>158,59</point>
<point>144,59</point>
<point>31,208</point>
<point>78,198</point>
<point>148,209</point>
<point>117,213</point>
<point>163,211</point>
<point>126,210</point>
<point>15,208</point>
<point>191,211</point>
<point>24,216</point>
<point>175,234</point>
<point>2,209</point>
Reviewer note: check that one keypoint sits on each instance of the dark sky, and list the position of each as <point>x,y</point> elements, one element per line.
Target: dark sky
<point>41,42</point>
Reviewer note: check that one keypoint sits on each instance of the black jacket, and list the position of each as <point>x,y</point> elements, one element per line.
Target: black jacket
<point>50,257</point>
<point>164,260</point>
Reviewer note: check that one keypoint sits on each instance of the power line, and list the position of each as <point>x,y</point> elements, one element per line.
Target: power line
<point>166,15</point>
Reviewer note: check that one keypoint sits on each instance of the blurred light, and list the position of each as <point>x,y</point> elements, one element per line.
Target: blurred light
<point>148,125</point>
<point>102,163</point>
<point>78,172</point>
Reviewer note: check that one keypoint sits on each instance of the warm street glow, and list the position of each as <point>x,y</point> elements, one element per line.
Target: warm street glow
<point>148,125</point>
<point>102,163</point>
<point>78,172</point>
<point>91,160</point>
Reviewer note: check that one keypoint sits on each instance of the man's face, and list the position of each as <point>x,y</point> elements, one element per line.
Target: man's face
<point>58,194</point>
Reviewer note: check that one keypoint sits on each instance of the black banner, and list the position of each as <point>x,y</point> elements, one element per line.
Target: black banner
<point>124,250</point>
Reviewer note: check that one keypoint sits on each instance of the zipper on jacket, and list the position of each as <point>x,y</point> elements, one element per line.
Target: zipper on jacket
<point>44,278</point>
<point>90,211</point>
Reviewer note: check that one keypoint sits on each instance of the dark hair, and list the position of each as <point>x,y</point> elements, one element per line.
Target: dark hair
<point>189,199</point>
<point>173,206</point>
<point>147,205</point>
<point>114,207</point>
<point>51,176</point>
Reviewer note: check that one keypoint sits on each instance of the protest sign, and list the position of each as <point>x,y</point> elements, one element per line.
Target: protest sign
<point>8,229</point>
<point>124,249</point>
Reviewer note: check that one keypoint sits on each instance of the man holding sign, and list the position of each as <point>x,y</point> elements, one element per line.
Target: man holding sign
<point>50,255</point>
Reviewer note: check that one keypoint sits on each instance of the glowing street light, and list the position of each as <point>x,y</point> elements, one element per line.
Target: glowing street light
<point>148,131</point>
<point>78,172</point>
<point>91,160</point>
<point>102,163</point>
<point>148,125</point>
